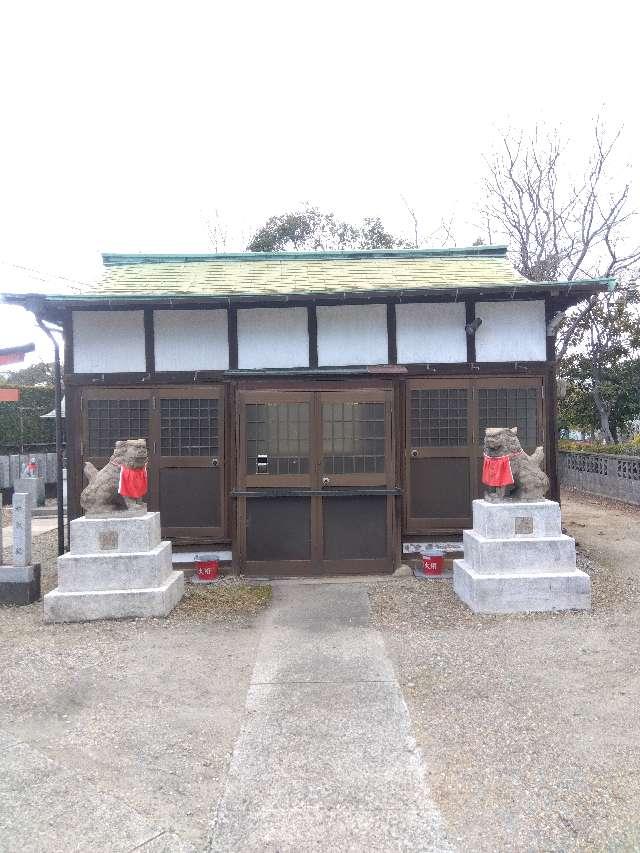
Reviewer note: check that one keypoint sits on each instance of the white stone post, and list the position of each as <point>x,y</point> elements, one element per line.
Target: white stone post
<point>21,529</point>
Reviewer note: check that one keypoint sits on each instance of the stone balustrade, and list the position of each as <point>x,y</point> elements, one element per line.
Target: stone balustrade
<point>605,474</point>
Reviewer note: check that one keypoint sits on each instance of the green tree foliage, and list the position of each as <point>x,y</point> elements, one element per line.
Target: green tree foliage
<point>20,423</point>
<point>603,374</point>
<point>37,374</point>
<point>620,391</point>
<point>311,229</point>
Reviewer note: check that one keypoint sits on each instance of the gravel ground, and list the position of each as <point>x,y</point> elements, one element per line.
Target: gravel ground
<point>528,724</point>
<point>136,719</point>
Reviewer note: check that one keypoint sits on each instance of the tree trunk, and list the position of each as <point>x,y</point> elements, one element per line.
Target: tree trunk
<point>603,412</point>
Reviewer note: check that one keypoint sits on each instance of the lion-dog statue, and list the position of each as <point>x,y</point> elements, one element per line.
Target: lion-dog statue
<point>101,496</point>
<point>529,481</point>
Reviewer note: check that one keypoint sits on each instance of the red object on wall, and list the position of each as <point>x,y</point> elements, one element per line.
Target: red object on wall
<point>9,395</point>
<point>207,570</point>
<point>433,564</point>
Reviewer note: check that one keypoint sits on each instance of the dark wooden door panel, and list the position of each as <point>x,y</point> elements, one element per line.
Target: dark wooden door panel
<point>440,452</point>
<point>440,489</point>
<point>188,470</point>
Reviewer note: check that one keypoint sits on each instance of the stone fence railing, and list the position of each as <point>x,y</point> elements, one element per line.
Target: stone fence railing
<point>11,466</point>
<point>602,474</point>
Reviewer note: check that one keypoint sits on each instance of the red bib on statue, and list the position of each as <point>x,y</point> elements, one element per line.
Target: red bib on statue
<point>496,471</point>
<point>133,482</point>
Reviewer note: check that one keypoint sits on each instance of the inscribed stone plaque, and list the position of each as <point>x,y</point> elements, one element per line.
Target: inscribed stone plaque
<point>108,540</point>
<point>523,525</point>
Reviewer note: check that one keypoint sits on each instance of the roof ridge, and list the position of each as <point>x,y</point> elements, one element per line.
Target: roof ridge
<point>115,259</point>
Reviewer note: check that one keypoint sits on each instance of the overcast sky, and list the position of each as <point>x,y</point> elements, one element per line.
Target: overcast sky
<point>133,126</point>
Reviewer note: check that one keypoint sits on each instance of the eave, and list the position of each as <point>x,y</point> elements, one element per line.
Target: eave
<point>571,291</point>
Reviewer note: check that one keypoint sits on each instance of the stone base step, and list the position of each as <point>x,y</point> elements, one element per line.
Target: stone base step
<point>109,570</point>
<point>525,555</point>
<point>521,592</point>
<point>19,585</point>
<point>114,604</point>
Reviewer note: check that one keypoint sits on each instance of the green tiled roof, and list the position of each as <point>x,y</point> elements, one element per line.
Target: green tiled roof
<point>304,274</point>
<point>282,276</point>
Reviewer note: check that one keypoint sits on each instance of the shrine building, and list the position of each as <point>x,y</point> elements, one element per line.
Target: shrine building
<point>310,412</point>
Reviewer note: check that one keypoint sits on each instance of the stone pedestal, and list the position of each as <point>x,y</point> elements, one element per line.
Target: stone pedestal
<point>117,568</point>
<point>516,559</point>
<point>33,486</point>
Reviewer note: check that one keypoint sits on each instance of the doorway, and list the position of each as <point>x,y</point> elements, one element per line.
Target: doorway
<point>316,482</point>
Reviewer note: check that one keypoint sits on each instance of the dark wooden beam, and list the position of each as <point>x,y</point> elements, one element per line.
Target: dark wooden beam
<point>149,341</point>
<point>550,405</point>
<point>470,316</point>
<point>392,342</point>
<point>67,326</point>
<point>232,326</point>
<point>312,326</point>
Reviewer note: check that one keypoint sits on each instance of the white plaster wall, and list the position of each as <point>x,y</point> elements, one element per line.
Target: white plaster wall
<point>511,331</point>
<point>108,342</point>
<point>352,334</point>
<point>431,332</point>
<point>272,337</point>
<point>191,339</point>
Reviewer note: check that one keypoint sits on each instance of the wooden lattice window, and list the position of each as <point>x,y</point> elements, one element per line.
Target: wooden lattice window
<point>439,417</point>
<point>353,438</point>
<point>109,421</point>
<point>509,407</point>
<point>279,432</point>
<point>189,426</point>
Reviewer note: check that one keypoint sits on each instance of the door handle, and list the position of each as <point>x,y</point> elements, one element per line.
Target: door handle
<point>414,454</point>
<point>215,462</point>
<point>325,481</point>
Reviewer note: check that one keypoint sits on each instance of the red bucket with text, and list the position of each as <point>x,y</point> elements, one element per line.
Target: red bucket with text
<point>207,570</point>
<point>433,563</point>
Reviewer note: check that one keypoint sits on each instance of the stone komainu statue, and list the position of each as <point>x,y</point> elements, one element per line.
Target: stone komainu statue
<point>105,493</point>
<point>513,474</point>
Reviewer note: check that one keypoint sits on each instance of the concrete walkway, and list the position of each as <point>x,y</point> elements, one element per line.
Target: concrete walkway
<point>325,759</point>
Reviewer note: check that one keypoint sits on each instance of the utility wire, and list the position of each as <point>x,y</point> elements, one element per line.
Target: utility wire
<point>41,275</point>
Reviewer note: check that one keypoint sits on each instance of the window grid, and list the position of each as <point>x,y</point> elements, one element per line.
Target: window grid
<point>353,438</point>
<point>281,432</point>
<point>109,421</point>
<point>509,407</point>
<point>188,427</point>
<point>439,417</point>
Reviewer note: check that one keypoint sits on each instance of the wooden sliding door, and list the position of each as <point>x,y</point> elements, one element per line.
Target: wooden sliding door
<point>441,454</point>
<point>315,482</point>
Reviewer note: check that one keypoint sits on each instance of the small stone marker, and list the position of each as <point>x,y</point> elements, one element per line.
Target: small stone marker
<point>523,525</point>
<point>21,529</point>
<point>20,582</point>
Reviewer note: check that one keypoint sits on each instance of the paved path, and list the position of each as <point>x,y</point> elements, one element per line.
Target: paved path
<point>325,759</point>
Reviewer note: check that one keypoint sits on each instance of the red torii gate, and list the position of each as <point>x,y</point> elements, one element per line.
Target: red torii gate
<point>13,355</point>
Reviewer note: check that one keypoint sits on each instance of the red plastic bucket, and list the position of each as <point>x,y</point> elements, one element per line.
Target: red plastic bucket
<point>207,570</point>
<point>433,564</point>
